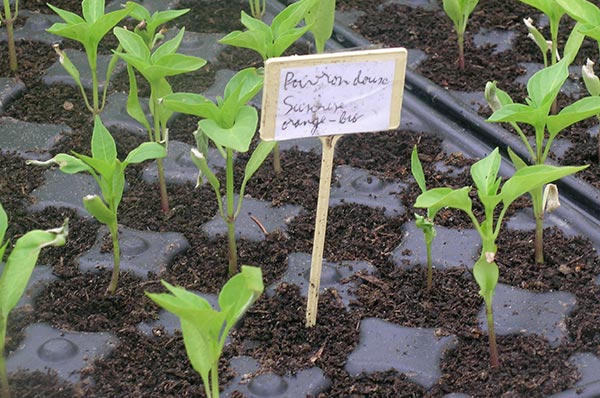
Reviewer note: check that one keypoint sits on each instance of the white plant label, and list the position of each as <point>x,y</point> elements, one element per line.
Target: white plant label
<point>332,94</point>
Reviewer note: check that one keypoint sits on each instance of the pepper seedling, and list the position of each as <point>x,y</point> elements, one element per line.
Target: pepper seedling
<point>459,11</point>
<point>423,223</point>
<point>230,124</point>
<point>271,41</point>
<point>8,19</point>
<point>542,89</point>
<point>109,173</point>
<point>487,183</point>
<point>89,31</point>
<point>554,11</point>
<point>154,67</point>
<point>205,329</point>
<point>17,272</point>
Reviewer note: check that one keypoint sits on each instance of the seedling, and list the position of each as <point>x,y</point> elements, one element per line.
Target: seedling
<point>554,11</point>
<point>487,183</point>
<point>536,36</point>
<point>542,89</point>
<point>154,67</point>
<point>423,223</point>
<point>8,19</point>
<point>271,41</point>
<point>89,31</point>
<point>17,271</point>
<point>205,329</point>
<point>230,124</point>
<point>109,173</point>
<point>459,12</point>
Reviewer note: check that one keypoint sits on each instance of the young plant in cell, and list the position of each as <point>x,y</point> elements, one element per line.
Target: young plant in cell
<point>542,90</point>
<point>155,66</point>
<point>205,329</point>
<point>15,276</point>
<point>459,11</point>
<point>495,201</point>
<point>271,41</point>
<point>423,223</point>
<point>554,11</point>
<point>109,173</point>
<point>230,124</point>
<point>8,18</point>
<point>89,31</point>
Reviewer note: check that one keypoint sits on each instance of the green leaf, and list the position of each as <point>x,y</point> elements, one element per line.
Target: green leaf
<point>454,11</point>
<point>516,160</point>
<point>258,157</point>
<point>436,199</point>
<point>104,24</point>
<point>133,44</point>
<point>252,39</point>
<point>530,177</point>
<point>92,9</point>
<point>169,47</point>
<point>69,17</point>
<point>485,173</point>
<point>68,164</point>
<point>3,228</point>
<point>417,169</point>
<point>146,151</point>
<point>486,274</point>
<point>581,11</point>
<point>290,17</point>
<point>576,112</point>
<point>98,209</point>
<point>237,137</point>
<point>199,160</point>
<point>244,86</point>
<point>284,41</point>
<point>321,17</point>
<point>134,108</point>
<point>544,85</point>
<point>21,261</point>
<point>191,104</point>
<point>103,145</point>
<point>176,64</point>
<point>240,292</point>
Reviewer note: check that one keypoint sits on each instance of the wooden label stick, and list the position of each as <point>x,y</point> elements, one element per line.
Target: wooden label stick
<point>328,144</point>
<point>315,95</point>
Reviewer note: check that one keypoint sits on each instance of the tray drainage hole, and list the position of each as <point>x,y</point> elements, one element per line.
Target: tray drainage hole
<point>329,275</point>
<point>183,160</point>
<point>57,349</point>
<point>367,184</point>
<point>133,245</point>
<point>267,385</point>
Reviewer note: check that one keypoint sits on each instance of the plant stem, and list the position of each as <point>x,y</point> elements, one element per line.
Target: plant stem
<point>461,50</point>
<point>494,361</point>
<point>12,52</point>
<point>4,390</point>
<point>230,218</point>
<point>164,197</point>
<point>429,267</point>
<point>114,279</point>
<point>538,214</point>
<point>214,380</point>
